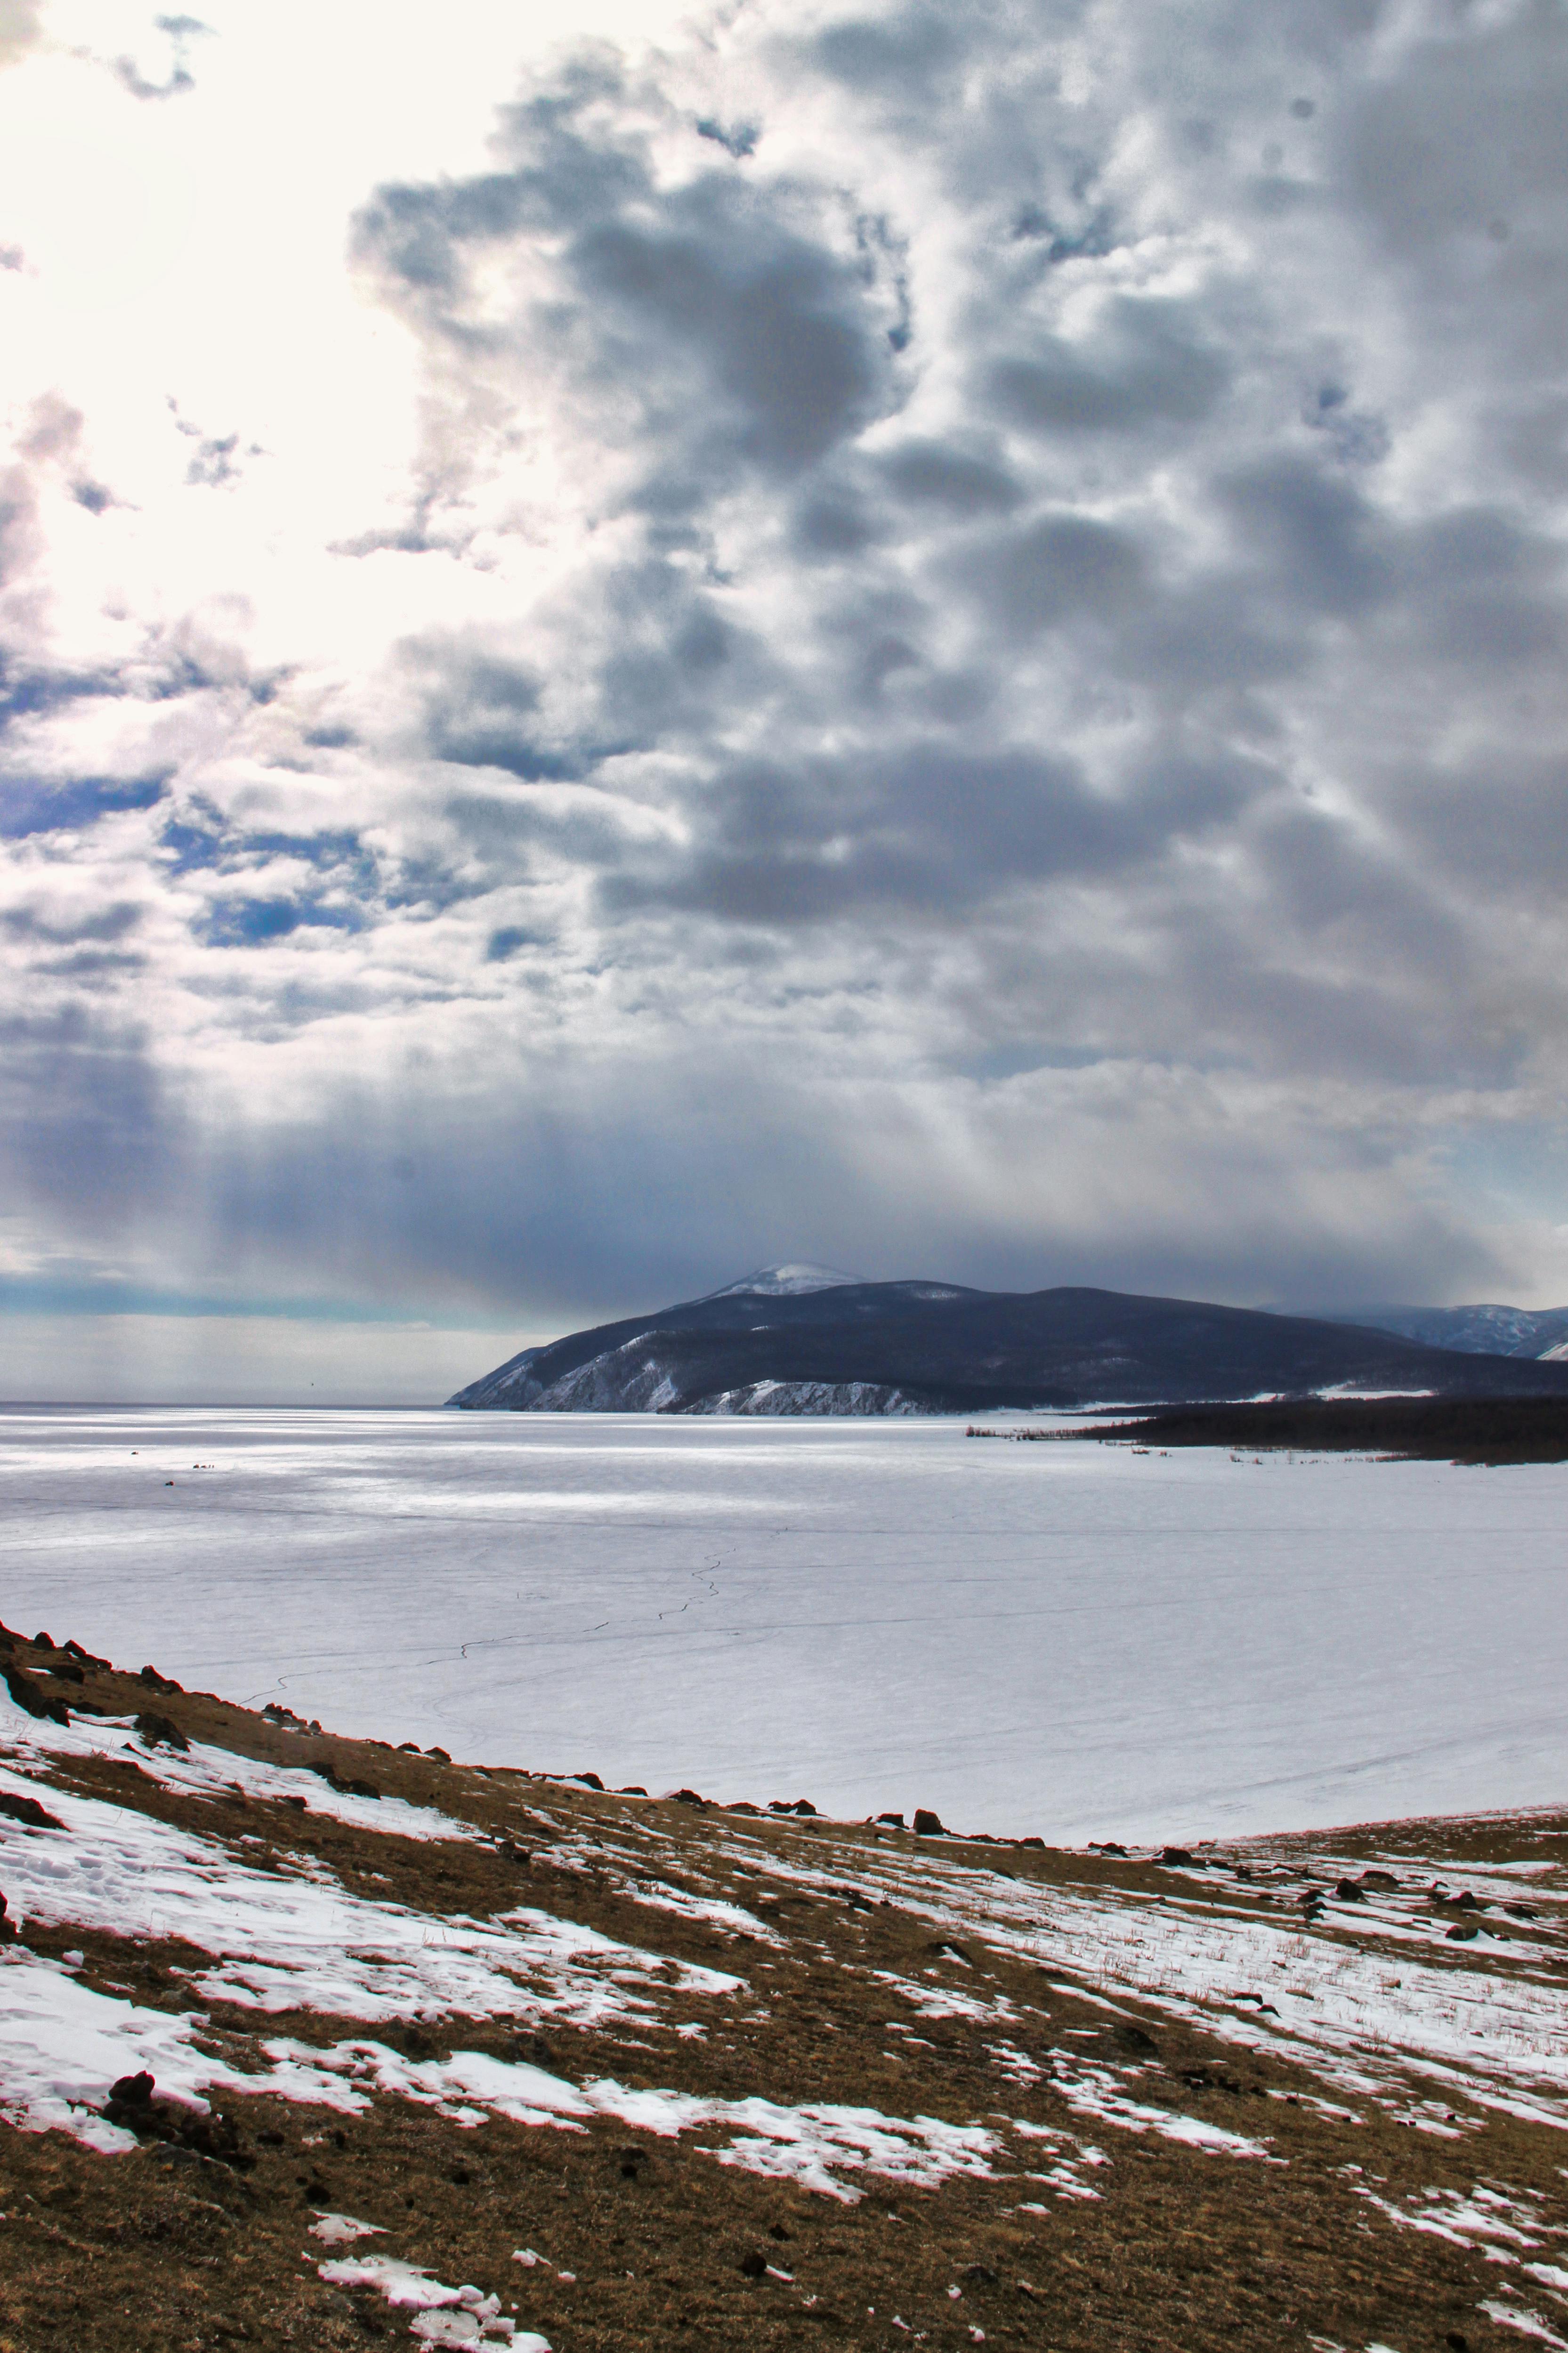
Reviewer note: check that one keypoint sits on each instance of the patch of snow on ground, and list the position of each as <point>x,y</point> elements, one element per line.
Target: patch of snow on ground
<point>1094,2090</point>
<point>1501,2038</point>
<point>203,1771</point>
<point>448,2315</point>
<point>62,2046</point>
<point>286,1942</point>
<point>812,2145</point>
<point>1527,2324</point>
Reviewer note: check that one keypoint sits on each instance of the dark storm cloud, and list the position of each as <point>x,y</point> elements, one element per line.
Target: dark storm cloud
<point>1149,364</point>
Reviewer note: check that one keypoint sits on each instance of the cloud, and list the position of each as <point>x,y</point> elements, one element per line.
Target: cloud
<point>964,675</point>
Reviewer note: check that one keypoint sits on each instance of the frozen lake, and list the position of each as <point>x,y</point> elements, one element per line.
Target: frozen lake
<point>1069,1639</point>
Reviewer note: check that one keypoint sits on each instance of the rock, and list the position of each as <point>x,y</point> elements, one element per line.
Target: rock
<point>928,1825</point>
<point>978,2274</point>
<point>1378,1879</point>
<point>1467,1902</point>
<point>64,1671</point>
<point>133,2091</point>
<point>744,1806</point>
<point>893,1822</point>
<point>1519,1910</point>
<point>345,1786</point>
<point>1035,1841</point>
<point>8,1929</point>
<point>753,2266</point>
<point>1103,1846</point>
<point>1132,2038</point>
<point>636,1789</point>
<point>688,1798</point>
<point>408,1748</point>
<point>803,1805</point>
<point>1463,1936</point>
<point>440,1755</point>
<point>777,2231</point>
<point>589,1780</point>
<point>32,1699</point>
<point>43,1642</point>
<point>1349,1892</point>
<point>28,1810</point>
<point>158,1682</point>
<point>161,1731</point>
<point>1175,1855</point>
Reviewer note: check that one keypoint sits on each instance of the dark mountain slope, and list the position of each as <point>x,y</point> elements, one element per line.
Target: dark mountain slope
<point>1484,1330</point>
<point>904,1347</point>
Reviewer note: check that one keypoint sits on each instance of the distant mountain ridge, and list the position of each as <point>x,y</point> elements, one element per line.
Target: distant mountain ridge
<point>805,1340</point>
<point>1483,1331</point>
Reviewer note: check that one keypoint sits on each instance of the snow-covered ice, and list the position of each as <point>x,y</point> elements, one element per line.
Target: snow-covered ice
<point>1067,1638</point>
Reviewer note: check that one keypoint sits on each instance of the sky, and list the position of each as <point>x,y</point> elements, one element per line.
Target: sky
<point>923,637</point>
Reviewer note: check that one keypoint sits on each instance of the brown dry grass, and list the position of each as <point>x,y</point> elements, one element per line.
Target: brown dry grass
<point>164,2251</point>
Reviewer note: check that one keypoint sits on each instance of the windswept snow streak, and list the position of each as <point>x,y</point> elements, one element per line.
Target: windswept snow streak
<point>812,2145</point>
<point>303,1942</point>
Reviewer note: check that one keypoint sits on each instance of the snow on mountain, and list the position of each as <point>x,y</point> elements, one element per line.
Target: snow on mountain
<point>1484,1330</point>
<point>791,1282</point>
<point>806,1340</point>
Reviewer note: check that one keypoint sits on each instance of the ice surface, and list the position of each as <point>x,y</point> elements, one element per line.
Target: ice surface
<point>1072,1639</point>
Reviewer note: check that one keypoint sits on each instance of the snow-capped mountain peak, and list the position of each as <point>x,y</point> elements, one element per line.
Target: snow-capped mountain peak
<point>785,1282</point>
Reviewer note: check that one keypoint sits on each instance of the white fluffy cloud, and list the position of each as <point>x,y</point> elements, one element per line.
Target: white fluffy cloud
<point>929,637</point>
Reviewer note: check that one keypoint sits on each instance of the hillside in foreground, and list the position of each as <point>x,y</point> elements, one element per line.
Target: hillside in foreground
<point>803,1340</point>
<point>315,2043</point>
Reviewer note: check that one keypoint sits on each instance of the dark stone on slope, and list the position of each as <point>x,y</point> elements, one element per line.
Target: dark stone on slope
<point>27,1810</point>
<point>208,2134</point>
<point>1175,1855</point>
<point>158,1682</point>
<point>928,1825</point>
<point>1347,1891</point>
<point>8,1928</point>
<point>688,1798</point>
<point>589,1780</point>
<point>32,1698</point>
<point>753,2265</point>
<point>43,1641</point>
<point>345,1786</point>
<point>161,1731</point>
<point>893,1822</point>
<point>63,1671</point>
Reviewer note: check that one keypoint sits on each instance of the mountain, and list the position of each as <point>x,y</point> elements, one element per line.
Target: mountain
<point>1482,1331</point>
<point>776,1344</point>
